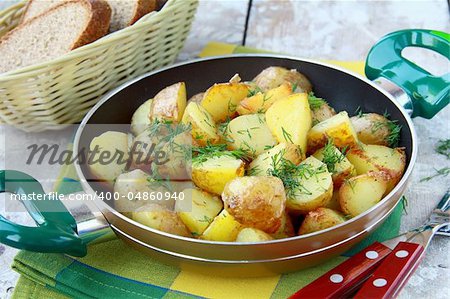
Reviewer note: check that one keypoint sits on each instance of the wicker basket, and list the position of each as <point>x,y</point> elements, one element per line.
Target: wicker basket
<point>51,95</point>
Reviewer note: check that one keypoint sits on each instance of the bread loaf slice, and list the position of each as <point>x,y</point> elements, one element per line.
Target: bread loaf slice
<point>61,29</point>
<point>124,12</point>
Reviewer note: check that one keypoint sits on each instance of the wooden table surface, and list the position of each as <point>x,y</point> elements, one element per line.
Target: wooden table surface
<point>339,30</point>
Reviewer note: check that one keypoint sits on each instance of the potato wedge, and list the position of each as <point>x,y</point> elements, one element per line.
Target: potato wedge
<point>198,209</point>
<point>315,187</point>
<point>360,193</point>
<point>250,133</point>
<point>274,76</point>
<point>320,219</point>
<point>223,228</point>
<point>379,158</point>
<point>373,128</point>
<point>289,120</point>
<point>204,129</point>
<point>214,173</point>
<point>141,120</point>
<point>248,235</point>
<point>257,202</point>
<point>169,103</point>
<point>286,229</point>
<point>337,128</point>
<point>264,162</point>
<point>160,218</point>
<point>260,102</point>
<point>221,100</point>
<point>110,155</point>
<point>339,166</point>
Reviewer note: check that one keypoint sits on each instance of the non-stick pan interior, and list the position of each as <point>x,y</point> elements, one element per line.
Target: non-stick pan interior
<point>343,91</point>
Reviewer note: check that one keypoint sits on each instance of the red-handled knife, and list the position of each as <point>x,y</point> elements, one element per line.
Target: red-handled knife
<point>384,271</point>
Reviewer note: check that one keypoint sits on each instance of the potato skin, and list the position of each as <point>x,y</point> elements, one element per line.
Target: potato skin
<point>286,229</point>
<point>320,219</point>
<point>322,113</point>
<point>257,202</point>
<point>197,98</point>
<point>274,76</point>
<point>372,128</point>
<point>169,103</point>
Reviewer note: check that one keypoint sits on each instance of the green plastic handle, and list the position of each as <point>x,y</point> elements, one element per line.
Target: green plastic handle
<point>429,94</point>
<point>56,228</point>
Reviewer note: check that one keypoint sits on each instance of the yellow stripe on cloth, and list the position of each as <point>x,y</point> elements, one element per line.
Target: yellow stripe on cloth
<point>219,287</point>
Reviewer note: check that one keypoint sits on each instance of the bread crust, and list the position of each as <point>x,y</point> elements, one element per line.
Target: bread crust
<point>143,7</point>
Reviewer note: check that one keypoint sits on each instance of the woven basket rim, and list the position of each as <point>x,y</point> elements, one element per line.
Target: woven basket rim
<point>91,47</point>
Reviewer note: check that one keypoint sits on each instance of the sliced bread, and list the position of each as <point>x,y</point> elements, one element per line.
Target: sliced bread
<point>54,33</point>
<point>124,12</point>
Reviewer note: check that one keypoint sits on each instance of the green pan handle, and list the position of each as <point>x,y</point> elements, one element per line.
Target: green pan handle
<point>56,228</point>
<point>429,94</point>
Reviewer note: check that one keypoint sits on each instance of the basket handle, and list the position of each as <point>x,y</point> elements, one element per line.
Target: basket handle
<point>56,228</point>
<point>428,94</point>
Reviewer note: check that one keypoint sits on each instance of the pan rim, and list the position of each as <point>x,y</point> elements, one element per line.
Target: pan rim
<point>88,189</point>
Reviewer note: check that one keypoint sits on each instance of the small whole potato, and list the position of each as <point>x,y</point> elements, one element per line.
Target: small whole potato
<point>257,202</point>
<point>322,113</point>
<point>320,219</point>
<point>274,76</point>
<point>372,128</point>
<point>197,98</point>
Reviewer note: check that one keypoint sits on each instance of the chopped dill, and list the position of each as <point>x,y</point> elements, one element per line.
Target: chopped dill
<point>287,136</point>
<point>439,172</point>
<point>443,148</point>
<point>331,157</point>
<point>358,112</point>
<point>394,131</point>
<point>294,87</point>
<point>315,102</point>
<point>254,91</point>
<point>201,154</point>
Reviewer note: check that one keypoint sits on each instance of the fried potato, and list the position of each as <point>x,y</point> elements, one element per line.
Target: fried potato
<point>315,187</point>
<point>334,201</point>
<point>289,120</point>
<point>337,128</point>
<point>141,120</point>
<point>203,127</point>
<point>223,228</point>
<point>379,158</point>
<point>110,154</point>
<point>264,162</point>
<point>169,103</point>
<point>286,229</point>
<point>360,193</point>
<point>260,102</point>
<point>175,164</point>
<point>321,113</point>
<point>250,133</point>
<point>274,76</point>
<point>221,100</point>
<point>320,219</point>
<point>198,209</point>
<point>160,218</point>
<point>197,98</point>
<point>373,128</point>
<point>257,202</point>
<point>214,173</point>
<point>248,235</point>
<point>339,166</point>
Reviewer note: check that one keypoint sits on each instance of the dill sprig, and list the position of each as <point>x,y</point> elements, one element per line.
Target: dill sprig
<point>443,148</point>
<point>439,172</point>
<point>286,135</point>
<point>394,131</point>
<point>331,157</point>
<point>315,102</point>
<point>254,91</point>
<point>201,154</point>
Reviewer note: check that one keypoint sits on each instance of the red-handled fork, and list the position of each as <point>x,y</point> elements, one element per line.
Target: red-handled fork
<point>383,270</point>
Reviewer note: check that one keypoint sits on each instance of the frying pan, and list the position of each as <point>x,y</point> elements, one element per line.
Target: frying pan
<point>401,89</point>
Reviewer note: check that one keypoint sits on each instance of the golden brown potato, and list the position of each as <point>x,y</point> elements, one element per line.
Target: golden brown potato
<point>169,103</point>
<point>197,98</point>
<point>286,229</point>
<point>361,192</point>
<point>334,201</point>
<point>379,158</point>
<point>260,102</point>
<point>221,100</point>
<point>320,219</point>
<point>141,120</point>
<point>315,187</point>
<point>203,127</point>
<point>264,162</point>
<point>373,128</point>
<point>257,202</point>
<point>249,133</point>
<point>274,76</point>
<point>289,120</point>
<point>223,228</point>
<point>160,218</point>
<point>339,166</point>
<point>321,113</point>
<point>337,128</point>
<point>213,173</point>
<point>248,235</point>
